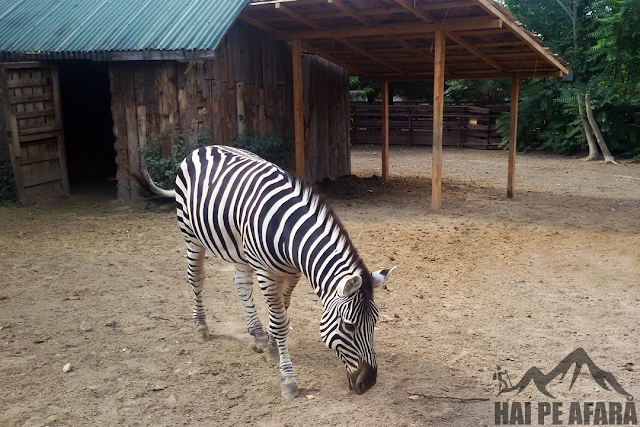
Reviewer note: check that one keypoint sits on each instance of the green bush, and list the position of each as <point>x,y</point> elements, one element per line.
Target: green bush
<point>270,147</point>
<point>8,193</point>
<point>163,168</point>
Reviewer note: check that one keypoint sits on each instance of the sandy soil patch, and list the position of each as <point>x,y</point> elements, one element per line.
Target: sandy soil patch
<point>489,281</point>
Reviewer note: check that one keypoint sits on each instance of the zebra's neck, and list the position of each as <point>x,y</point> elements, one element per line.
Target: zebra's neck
<point>320,247</point>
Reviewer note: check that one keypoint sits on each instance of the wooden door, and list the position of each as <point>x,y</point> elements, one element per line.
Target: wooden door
<point>32,108</point>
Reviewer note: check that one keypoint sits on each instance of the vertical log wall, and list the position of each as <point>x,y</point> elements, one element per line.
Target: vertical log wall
<point>246,88</point>
<point>325,96</point>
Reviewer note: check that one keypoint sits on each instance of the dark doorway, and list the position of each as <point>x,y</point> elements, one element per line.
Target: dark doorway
<point>88,126</point>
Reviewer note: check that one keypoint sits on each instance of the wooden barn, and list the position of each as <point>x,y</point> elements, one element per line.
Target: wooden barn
<point>234,66</point>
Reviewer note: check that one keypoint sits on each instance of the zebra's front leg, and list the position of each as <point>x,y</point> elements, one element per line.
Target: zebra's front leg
<point>243,279</point>
<point>197,275</point>
<point>278,330</point>
<point>288,286</point>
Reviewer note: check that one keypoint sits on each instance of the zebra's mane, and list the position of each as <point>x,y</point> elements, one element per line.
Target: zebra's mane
<point>311,193</point>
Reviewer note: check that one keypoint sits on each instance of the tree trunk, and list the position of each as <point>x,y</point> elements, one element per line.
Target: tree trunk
<point>593,148</point>
<point>608,158</point>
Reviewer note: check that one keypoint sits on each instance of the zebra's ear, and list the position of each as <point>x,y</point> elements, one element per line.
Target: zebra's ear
<point>349,286</point>
<point>381,276</point>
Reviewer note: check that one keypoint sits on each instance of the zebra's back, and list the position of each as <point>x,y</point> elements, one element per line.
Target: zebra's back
<point>220,192</point>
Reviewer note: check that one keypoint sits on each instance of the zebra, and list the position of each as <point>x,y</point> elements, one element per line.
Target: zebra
<point>266,221</point>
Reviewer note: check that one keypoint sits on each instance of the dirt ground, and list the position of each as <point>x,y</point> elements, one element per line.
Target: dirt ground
<point>488,282</point>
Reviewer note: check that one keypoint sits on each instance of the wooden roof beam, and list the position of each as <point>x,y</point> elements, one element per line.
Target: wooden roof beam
<point>418,12</point>
<point>477,52</point>
<point>422,54</point>
<point>298,16</point>
<point>370,23</point>
<point>292,13</point>
<point>499,44</point>
<point>257,23</point>
<point>328,57</point>
<point>460,24</point>
<point>411,48</point>
<point>449,5</point>
<point>462,75</point>
<point>373,56</point>
<point>471,32</point>
<point>352,12</point>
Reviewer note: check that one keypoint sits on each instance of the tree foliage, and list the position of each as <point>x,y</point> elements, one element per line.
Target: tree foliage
<point>598,39</point>
<point>363,91</point>
<point>614,61</point>
<point>478,91</point>
<point>615,58</point>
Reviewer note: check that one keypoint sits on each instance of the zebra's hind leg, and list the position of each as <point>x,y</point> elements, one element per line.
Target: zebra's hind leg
<point>278,329</point>
<point>243,279</point>
<point>288,286</point>
<point>197,275</point>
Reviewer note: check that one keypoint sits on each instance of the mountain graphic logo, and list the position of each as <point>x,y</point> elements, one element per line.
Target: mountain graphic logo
<point>578,357</point>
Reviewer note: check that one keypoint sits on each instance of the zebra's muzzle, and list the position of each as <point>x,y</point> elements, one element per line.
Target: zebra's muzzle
<point>363,378</point>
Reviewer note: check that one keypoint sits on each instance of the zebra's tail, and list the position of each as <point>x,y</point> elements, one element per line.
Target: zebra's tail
<point>148,189</point>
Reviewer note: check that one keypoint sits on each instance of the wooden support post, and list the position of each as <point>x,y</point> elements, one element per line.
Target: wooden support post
<point>513,134</point>
<point>57,106</point>
<point>296,52</point>
<point>438,112</point>
<point>385,130</point>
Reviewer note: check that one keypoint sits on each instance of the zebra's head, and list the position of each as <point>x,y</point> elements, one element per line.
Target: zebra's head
<point>347,324</point>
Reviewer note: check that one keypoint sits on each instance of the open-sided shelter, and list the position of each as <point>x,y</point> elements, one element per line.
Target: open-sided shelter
<point>390,40</point>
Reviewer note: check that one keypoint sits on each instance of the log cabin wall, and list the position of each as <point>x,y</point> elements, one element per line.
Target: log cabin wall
<point>246,87</point>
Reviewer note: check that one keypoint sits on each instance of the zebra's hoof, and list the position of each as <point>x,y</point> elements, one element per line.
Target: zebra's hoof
<point>273,354</point>
<point>289,387</point>
<point>202,333</point>
<point>261,340</point>
<point>260,346</point>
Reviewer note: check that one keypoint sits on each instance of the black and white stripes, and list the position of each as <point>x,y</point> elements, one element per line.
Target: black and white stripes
<point>250,212</point>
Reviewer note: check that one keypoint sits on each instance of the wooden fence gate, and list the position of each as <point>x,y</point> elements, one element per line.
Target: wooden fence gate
<point>32,108</point>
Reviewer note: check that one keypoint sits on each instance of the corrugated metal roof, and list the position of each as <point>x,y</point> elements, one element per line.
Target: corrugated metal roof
<point>87,28</point>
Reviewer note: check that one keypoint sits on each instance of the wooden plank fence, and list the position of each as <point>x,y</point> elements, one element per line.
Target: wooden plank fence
<point>412,124</point>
